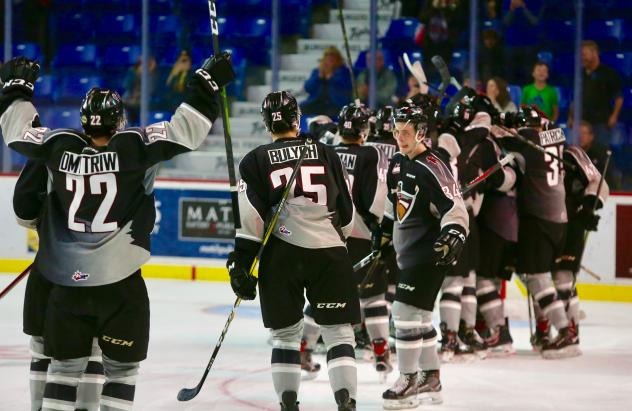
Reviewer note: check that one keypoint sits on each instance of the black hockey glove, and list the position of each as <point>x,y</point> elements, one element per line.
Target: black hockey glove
<point>449,245</point>
<point>244,284</point>
<point>19,75</point>
<point>585,215</point>
<point>203,88</point>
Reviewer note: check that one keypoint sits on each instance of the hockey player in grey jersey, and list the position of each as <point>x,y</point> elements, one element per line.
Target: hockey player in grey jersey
<point>542,220</point>
<point>429,225</point>
<point>306,253</point>
<point>99,213</point>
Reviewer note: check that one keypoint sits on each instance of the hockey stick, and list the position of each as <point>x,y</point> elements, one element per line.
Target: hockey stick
<point>349,61</point>
<point>230,161</point>
<point>187,394</point>
<point>418,72</point>
<point>15,281</point>
<point>469,187</point>
<point>444,72</point>
<point>590,272</point>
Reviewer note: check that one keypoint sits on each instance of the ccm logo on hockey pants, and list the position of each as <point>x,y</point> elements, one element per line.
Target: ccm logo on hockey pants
<point>331,305</point>
<point>117,341</point>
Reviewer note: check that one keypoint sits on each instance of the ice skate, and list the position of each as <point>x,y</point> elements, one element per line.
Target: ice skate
<point>542,336</point>
<point>429,387</point>
<point>309,368</point>
<point>382,358</point>
<point>565,344</point>
<point>345,403</point>
<point>288,401</point>
<point>449,344</point>
<point>470,337</point>
<point>403,394</point>
<point>500,342</point>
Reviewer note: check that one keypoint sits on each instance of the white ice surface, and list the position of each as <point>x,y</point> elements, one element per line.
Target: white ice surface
<point>187,318</point>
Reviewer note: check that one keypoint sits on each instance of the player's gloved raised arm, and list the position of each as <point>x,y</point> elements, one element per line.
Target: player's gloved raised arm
<point>18,77</point>
<point>449,245</point>
<point>202,89</point>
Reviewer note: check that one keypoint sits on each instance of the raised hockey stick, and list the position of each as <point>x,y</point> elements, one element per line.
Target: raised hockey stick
<point>186,394</point>
<point>469,187</point>
<point>230,161</point>
<point>444,72</point>
<point>347,49</point>
<point>15,281</point>
<point>417,71</point>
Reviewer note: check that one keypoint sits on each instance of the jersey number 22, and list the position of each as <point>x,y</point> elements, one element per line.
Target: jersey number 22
<point>76,184</point>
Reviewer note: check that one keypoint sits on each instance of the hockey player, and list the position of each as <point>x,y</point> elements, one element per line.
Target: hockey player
<point>581,186</point>
<point>429,229</point>
<point>305,254</point>
<point>28,201</point>
<point>383,136</point>
<point>366,166</point>
<point>542,220</point>
<point>99,213</point>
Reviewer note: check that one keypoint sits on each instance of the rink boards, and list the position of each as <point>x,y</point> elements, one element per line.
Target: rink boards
<point>193,235</point>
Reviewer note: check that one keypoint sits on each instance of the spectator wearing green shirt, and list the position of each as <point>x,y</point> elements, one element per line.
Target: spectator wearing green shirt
<point>386,86</point>
<point>540,93</point>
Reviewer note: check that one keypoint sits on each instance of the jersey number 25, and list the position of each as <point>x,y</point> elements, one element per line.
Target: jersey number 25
<point>316,192</point>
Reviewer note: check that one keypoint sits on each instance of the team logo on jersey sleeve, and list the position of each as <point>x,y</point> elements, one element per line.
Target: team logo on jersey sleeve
<point>405,201</point>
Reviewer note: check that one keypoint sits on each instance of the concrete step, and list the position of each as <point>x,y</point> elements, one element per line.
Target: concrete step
<point>317,46</point>
<point>242,127</point>
<point>240,143</point>
<point>366,5</point>
<point>360,16</point>
<point>201,164</point>
<point>245,109</point>
<point>258,93</point>
<point>300,62</point>
<point>355,31</point>
<point>295,76</point>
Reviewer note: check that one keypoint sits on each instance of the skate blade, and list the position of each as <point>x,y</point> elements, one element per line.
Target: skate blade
<point>430,398</point>
<point>566,352</point>
<point>403,404</point>
<point>501,351</point>
<point>465,358</point>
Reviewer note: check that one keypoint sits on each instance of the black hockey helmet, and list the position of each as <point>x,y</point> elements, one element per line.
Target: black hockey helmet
<point>280,112</point>
<point>526,116</point>
<point>414,115</point>
<point>353,121</point>
<point>102,112</point>
<point>384,122</point>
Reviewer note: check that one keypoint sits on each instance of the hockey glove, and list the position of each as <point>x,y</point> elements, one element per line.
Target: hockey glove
<point>449,245</point>
<point>18,76</point>
<point>216,72</point>
<point>244,284</point>
<point>585,215</point>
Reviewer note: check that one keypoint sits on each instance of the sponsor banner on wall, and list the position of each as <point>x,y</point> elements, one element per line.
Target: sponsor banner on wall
<point>192,223</point>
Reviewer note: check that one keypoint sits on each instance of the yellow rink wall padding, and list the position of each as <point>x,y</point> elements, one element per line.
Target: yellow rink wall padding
<point>586,291</point>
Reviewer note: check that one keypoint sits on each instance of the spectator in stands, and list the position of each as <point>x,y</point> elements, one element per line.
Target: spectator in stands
<point>596,151</point>
<point>413,88</point>
<point>521,19</point>
<point>131,85</point>
<point>445,21</point>
<point>177,80</point>
<point>602,98</point>
<point>541,94</point>
<point>386,85</point>
<point>491,56</point>
<point>329,86</point>
<point>498,93</point>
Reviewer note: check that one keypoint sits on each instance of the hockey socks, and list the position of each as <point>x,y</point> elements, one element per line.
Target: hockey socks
<point>62,380</point>
<point>286,359</point>
<point>544,293</point>
<point>450,303</point>
<point>489,302</point>
<point>341,363</point>
<point>39,367</point>
<point>567,293</point>
<point>120,385</point>
<point>376,317</point>
<point>91,383</point>
<point>468,300</point>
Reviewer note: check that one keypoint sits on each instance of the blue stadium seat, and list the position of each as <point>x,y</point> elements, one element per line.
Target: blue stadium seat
<point>559,33</point>
<point>607,33</point>
<point>158,116</point>
<point>401,34</point>
<point>117,28</point>
<point>253,36</point>
<point>61,117</point>
<point>29,50</point>
<point>237,87</point>
<point>515,92</point>
<point>163,23</point>
<point>77,55</point>
<point>565,97</point>
<point>622,62</point>
<point>74,87</point>
<point>459,62</point>
<point>45,87</point>
<point>120,56</point>
<point>546,57</point>
<point>72,28</point>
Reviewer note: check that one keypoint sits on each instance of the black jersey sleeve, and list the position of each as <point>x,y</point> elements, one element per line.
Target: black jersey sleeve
<point>30,193</point>
<point>586,172</point>
<point>444,194</point>
<point>253,205</point>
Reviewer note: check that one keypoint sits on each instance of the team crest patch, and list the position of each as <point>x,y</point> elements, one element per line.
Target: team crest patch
<point>405,202</point>
<point>283,230</point>
<point>79,276</point>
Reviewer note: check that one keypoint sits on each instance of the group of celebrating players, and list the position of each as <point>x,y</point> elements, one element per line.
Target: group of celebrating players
<point>449,203</point>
